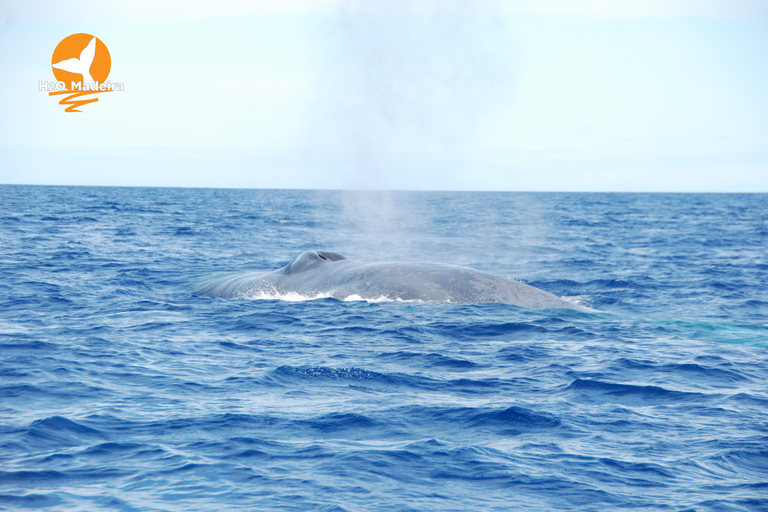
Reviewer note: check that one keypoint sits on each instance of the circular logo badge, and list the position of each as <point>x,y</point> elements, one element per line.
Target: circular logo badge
<point>81,58</point>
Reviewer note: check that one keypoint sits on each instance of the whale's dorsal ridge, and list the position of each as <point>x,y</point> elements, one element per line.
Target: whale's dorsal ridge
<point>311,259</point>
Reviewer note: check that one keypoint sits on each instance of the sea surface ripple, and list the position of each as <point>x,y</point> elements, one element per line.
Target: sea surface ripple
<point>122,390</point>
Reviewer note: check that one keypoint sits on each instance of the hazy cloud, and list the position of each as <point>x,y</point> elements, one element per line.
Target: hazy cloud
<point>639,8</point>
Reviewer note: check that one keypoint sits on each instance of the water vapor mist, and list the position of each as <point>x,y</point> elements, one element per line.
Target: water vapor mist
<point>402,84</point>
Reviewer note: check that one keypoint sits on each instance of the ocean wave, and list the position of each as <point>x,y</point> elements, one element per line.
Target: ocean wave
<point>121,390</point>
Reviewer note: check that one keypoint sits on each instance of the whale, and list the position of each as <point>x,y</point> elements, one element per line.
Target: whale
<point>322,274</point>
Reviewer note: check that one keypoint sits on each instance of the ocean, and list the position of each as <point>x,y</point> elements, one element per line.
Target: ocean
<point>121,389</point>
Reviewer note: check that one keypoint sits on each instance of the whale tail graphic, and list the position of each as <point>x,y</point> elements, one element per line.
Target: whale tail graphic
<point>81,66</point>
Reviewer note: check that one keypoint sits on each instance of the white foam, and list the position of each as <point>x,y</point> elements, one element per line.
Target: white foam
<point>381,298</point>
<point>288,297</point>
<point>580,300</point>
<point>298,297</point>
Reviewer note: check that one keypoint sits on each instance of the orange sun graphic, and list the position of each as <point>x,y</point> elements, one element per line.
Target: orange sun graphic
<point>71,53</point>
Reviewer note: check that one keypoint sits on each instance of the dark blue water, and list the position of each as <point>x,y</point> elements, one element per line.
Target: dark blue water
<point>121,390</point>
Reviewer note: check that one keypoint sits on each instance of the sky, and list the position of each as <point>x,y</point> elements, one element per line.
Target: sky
<point>517,95</point>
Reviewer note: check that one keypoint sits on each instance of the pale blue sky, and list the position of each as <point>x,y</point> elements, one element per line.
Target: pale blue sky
<point>446,95</point>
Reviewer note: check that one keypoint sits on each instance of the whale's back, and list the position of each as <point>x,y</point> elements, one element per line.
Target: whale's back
<point>320,274</point>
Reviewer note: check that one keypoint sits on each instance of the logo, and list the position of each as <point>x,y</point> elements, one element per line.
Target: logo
<point>81,65</point>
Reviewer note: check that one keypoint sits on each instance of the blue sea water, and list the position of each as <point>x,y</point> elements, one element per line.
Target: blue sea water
<point>120,389</point>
